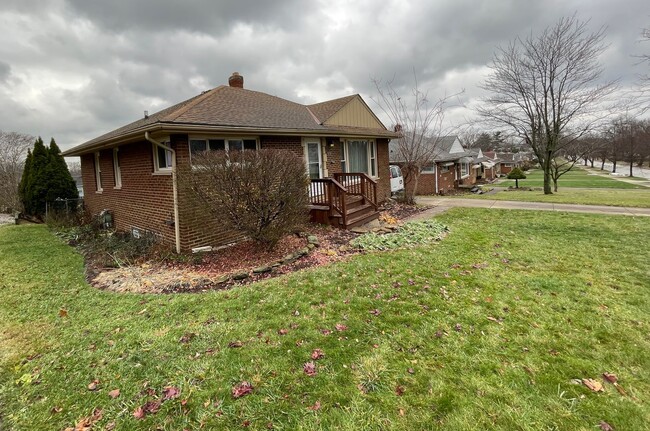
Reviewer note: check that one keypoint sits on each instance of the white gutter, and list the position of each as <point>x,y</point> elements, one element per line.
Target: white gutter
<point>177,229</point>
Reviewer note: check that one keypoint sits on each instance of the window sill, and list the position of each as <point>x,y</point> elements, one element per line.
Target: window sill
<point>464,176</point>
<point>99,192</point>
<point>117,188</point>
<point>169,172</point>
<point>427,173</point>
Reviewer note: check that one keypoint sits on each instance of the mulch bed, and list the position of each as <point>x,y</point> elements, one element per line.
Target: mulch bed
<point>216,269</point>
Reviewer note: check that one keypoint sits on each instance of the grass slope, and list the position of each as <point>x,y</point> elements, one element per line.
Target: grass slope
<point>568,294</point>
<point>577,177</point>
<point>610,197</point>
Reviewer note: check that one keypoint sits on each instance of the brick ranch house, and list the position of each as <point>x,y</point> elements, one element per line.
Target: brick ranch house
<point>453,167</point>
<point>131,171</point>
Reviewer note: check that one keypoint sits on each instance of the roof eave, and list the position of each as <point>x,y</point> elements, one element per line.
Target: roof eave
<point>162,127</point>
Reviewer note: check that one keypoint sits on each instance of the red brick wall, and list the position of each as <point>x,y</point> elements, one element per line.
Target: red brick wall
<point>291,143</point>
<point>383,171</point>
<point>145,199</point>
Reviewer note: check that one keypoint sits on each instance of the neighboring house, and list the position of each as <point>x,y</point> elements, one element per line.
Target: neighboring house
<point>450,168</point>
<point>130,171</point>
<point>483,168</point>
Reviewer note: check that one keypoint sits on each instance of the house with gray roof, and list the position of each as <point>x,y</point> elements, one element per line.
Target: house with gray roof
<point>450,168</point>
<point>131,171</point>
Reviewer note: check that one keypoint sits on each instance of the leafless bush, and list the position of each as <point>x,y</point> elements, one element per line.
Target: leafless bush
<point>262,194</point>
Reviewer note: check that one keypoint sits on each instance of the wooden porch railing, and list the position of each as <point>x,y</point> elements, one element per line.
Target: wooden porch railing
<point>359,184</point>
<point>329,192</point>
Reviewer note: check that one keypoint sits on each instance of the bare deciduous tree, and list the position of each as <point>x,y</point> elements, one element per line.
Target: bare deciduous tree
<point>13,149</point>
<point>547,88</point>
<point>419,123</point>
<point>629,140</point>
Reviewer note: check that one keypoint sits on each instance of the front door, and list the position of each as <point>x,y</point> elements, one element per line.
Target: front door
<point>314,167</point>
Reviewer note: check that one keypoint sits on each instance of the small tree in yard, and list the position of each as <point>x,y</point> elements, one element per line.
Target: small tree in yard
<point>419,123</point>
<point>516,174</point>
<point>45,178</point>
<point>262,194</point>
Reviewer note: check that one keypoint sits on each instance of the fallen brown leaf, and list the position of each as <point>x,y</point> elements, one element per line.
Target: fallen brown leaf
<point>152,407</point>
<point>317,354</point>
<point>611,378</point>
<point>114,393</point>
<point>63,312</point>
<point>92,386</point>
<point>594,385</point>
<point>283,331</point>
<point>235,344</point>
<point>85,424</point>
<point>604,426</point>
<point>187,337</point>
<point>315,407</point>
<point>399,390</point>
<point>309,368</point>
<point>170,392</point>
<point>241,389</point>
<point>340,327</point>
<point>139,413</point>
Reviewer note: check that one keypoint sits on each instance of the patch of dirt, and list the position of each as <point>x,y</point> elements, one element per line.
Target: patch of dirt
<point>400,211</point>
<point>218,269</point>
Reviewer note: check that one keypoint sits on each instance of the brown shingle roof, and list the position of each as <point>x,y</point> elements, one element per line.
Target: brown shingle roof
<point>324,110</point>
<point>231,107</point>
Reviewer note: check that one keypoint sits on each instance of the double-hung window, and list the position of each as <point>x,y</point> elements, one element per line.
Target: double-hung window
<point>359,155</point>
<point>98,173</point>
<point>464,169</point>
<point>162,158</point>
<point>117,173</point>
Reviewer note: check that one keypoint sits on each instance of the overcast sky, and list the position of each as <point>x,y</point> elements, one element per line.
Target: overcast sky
<point>75,69</point>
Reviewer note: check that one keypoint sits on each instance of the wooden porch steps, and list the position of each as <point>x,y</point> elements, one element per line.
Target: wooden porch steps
<point>357,214</point>
<point>345,201</point>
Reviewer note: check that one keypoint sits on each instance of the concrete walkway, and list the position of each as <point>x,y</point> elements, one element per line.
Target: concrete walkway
<point>442,204</point>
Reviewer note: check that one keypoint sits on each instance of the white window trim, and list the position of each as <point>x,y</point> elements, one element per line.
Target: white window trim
<point>117,171</point>
<point>346,159</point>
<point>98,174</point>
<point>322,161</point>
<point>466,165</point>
<point>224,138</point>
<point>156,169</point>
<point>431,172</point>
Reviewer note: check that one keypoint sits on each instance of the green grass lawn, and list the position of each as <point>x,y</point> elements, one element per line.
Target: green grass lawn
<point>611,197</point>
<point>577,177</point>
<point>484,330</point>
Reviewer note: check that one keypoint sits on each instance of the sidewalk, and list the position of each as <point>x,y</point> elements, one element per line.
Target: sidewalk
<point>442,204</point>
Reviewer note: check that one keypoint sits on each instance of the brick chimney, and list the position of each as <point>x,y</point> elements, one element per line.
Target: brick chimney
<point>236,80</point>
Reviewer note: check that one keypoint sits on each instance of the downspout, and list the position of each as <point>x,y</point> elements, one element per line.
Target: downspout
<point>177,229</point>
<point>435,166</point>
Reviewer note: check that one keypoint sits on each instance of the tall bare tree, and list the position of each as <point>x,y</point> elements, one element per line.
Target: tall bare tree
<point>547,88</point>
<point>13,149</point>
<point>419,123</point>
